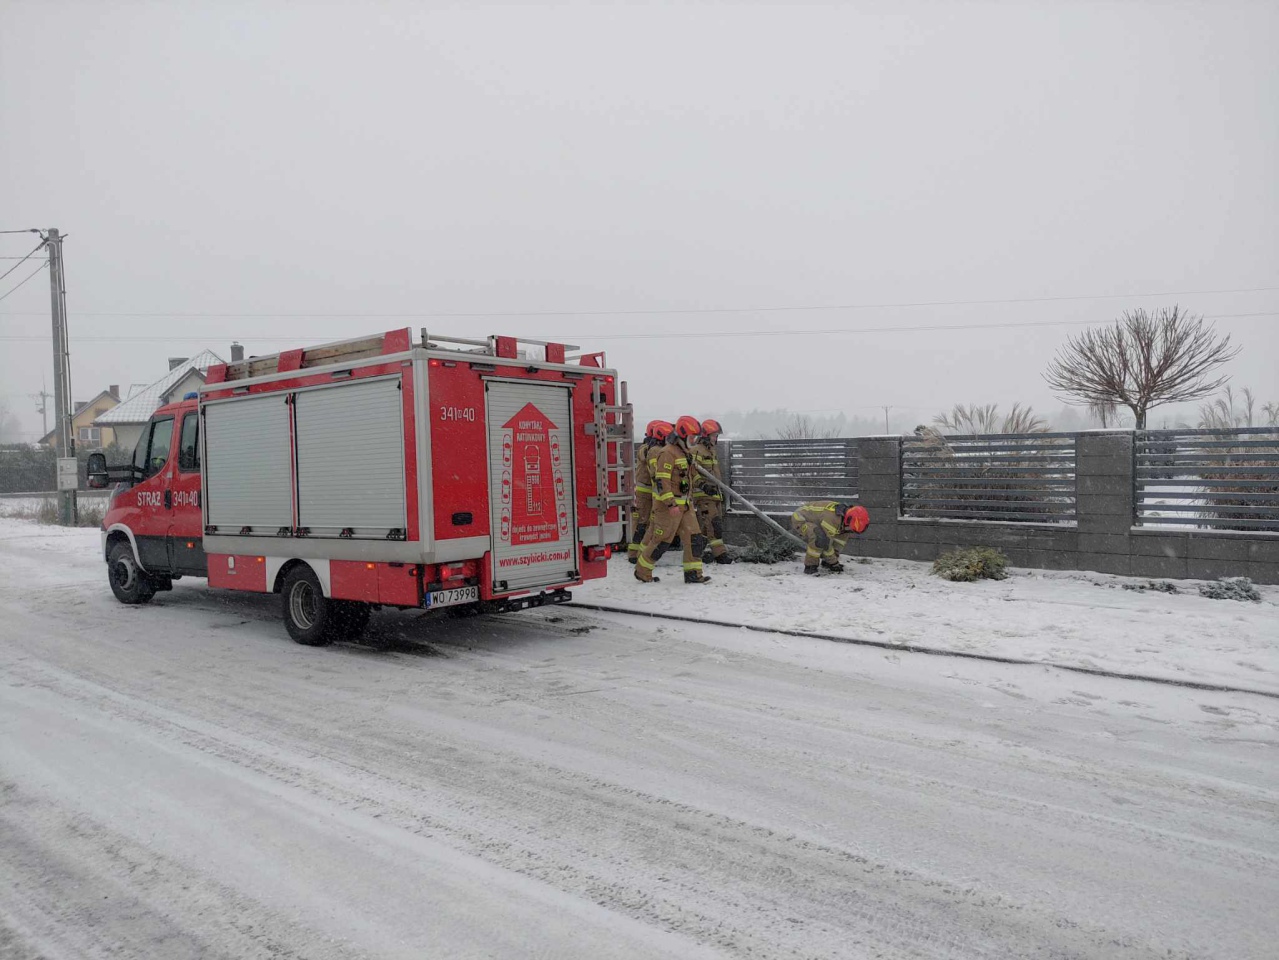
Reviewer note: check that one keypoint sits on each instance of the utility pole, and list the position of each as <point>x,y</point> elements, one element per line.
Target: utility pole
<point>42,404</point>
<point>886,409</point>
<point>62,410</point>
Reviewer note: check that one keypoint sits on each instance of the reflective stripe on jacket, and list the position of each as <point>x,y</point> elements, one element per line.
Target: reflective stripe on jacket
<point>706,455</point>
<point>670,476</point>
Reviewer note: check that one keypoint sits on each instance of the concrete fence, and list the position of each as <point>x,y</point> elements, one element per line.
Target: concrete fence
<point>1104,536</point>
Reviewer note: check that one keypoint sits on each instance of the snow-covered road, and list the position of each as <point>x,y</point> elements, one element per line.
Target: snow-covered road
<point>181,780</point>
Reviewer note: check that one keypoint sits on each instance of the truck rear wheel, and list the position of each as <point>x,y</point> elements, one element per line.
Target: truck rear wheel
<point>309,616</point>
<point>129,582</point>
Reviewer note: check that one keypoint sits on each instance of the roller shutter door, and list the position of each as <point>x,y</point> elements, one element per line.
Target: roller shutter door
<point>534,520</point>
<point>247,478</point>
<point>350,441</point>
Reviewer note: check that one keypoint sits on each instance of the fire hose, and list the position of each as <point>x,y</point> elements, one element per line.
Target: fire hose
<point>751,507</point>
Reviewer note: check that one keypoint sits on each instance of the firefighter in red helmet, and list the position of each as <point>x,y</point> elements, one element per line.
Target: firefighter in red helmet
<point>645,458</point>
<point>708,498</point>
<point>825,526</point>
<point>672,514</point>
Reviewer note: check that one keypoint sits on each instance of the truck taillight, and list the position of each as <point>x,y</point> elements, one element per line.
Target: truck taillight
<point>599,553</point>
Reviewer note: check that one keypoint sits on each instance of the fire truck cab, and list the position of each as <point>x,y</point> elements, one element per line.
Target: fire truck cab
<point>379,472</point>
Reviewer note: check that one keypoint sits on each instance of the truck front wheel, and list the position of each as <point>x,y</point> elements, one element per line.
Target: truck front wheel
<point>308,614</point>
<point>128,582</point>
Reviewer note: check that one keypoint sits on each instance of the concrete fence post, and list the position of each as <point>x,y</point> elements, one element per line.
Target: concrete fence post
<point>879,490</point>
<point>1104,501</point>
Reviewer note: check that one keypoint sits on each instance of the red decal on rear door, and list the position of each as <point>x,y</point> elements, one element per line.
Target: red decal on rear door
<point>534,506</point>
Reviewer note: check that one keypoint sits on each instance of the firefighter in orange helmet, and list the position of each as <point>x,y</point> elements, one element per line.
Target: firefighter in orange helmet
<point>672,515</point>
<point>708,499</point>
<point>825,526</point>
<point>645,459</point>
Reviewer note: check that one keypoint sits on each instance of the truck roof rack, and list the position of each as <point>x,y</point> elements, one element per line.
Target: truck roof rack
<point>324,354</point>
<point>393,341</point>
<point>496,346</point>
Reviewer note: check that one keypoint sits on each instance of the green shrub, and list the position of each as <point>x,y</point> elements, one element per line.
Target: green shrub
<point>975,563</point>
<point>1230,588</point>
<point>767,547</point>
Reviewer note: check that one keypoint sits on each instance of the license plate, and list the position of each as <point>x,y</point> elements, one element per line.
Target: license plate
<point>451,598</point>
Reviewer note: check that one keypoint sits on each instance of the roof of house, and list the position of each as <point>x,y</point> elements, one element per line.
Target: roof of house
<point>80,407</point>
<point>139,406</point>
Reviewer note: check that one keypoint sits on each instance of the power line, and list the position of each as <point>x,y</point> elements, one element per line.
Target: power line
<point>927,328</point>
<point>28,230</point>
<point>43,264</point>
<point>670,312</point>
<point>23,260</point>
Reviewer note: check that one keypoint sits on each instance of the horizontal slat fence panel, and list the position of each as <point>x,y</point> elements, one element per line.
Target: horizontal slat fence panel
<point>1021,478</point>
<point>779,476</point>
<point>1213,479</point>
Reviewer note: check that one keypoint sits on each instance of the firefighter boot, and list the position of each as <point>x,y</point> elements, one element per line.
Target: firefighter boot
<point>695,576</point>
<point>811,571</point>
<point>834,566</point>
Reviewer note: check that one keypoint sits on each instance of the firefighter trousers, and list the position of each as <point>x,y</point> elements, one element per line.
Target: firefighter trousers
<point>641,514</point>
<point>662,530</point>
<point>821,546</point>
<point>710,517</point>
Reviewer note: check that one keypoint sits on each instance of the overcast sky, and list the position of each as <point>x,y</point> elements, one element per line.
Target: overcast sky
<point>285,173</point>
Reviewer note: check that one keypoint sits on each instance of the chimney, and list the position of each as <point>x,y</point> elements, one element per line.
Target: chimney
<point>175,362</point>
<point>237,352</point>
<point>114,390</point>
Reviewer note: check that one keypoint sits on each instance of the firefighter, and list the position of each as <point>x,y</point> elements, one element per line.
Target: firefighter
<point>708,499</point>
<point>645,458</point>
<point>672,515</point>
<point>825,525</point>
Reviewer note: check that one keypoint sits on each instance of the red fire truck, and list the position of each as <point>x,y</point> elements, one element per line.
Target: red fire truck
<point>379,472</point>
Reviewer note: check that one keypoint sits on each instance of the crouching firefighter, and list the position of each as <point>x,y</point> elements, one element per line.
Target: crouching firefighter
<point>672,515</point>
<point>825,526</point>
<point>645,461</point>
<point>708,498</point>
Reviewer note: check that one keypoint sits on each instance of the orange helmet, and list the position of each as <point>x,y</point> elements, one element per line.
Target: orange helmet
<point>711,426</point>
<point>856,518</point>
<point>659,430</point>
<point>687,427</point>
<point>649,433</point>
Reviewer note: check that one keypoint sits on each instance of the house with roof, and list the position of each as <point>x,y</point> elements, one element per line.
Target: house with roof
<point>84,429</point>
<point>127,419</point>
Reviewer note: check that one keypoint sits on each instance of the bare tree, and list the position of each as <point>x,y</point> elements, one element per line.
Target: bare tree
<point>800,427</point>
<point>1140,362</point>
<point>986,419</point>
<point>1107,414</point>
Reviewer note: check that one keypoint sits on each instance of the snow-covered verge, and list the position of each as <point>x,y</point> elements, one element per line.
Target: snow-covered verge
<point>180,780</point>
<point>1077,619</point>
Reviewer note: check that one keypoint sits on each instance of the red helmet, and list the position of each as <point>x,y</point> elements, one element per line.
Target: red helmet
<point>652,426</point>
<point>660,430</point>
<point>856,518</point>
<point>687,427</point>
<point>711,426</point>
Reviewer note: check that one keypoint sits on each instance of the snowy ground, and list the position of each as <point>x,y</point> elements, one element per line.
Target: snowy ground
<point>180,780</point>
<point>1082,619</point>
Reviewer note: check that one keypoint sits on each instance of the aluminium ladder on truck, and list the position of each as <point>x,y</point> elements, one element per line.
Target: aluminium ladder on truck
<point>614,432</point>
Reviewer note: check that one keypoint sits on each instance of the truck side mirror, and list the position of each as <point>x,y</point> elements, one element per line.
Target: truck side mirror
<point>97,470</point>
